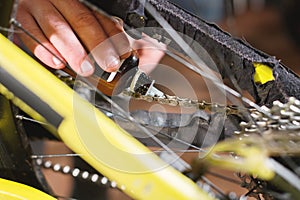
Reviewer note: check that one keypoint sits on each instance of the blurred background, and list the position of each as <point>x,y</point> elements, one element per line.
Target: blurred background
<point>272,26</point>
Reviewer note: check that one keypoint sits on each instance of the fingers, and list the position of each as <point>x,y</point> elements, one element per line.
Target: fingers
<point>69,29</point>
<point>90,32</point>
<point>50,24</point>
<point>61,35</point>
<point>113,27</point>
<point>40,52</point>
<point>150,53</point>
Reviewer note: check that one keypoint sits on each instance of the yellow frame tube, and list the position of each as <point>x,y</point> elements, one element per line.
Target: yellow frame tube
<point>99,141</point>
<point>10,190</point>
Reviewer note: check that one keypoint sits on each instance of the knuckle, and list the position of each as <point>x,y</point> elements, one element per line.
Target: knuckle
<point>84,19</point>
<point>118,22</point>
<point>59,25</point>
<point>54,23</point>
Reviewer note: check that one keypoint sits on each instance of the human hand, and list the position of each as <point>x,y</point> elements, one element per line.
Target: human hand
<point>70,30</point>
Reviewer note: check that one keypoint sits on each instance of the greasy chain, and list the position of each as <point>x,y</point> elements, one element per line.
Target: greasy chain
<point>187,103</point>
<point>279,130</point>
<point>283,116</point>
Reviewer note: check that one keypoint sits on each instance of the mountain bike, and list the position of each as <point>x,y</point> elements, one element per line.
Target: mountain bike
<point>256,137</point>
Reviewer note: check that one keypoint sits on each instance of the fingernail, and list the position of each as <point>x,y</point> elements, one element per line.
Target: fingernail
<point>113,62</point>
<point>56,61</point>
<point>86,67</point>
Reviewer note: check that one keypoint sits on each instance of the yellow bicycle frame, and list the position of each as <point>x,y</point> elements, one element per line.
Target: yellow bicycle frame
<point>10,190</point>
<point>84,129</point>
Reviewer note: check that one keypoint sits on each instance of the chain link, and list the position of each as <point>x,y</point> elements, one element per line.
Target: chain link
<point>187,103</point>
<point>77,173</point>
<point>278,129</point>
<point>283,117</point>
<point>170,100</point>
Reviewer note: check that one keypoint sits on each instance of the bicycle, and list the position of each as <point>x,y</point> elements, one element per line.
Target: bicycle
<point>249,151</point>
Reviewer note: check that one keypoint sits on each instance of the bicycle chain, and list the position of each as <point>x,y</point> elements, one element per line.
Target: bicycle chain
<point>187,103</point>
<point>77,173</point>
<point>278,126</point>
<point>282,117</point>
<point>169,100</point>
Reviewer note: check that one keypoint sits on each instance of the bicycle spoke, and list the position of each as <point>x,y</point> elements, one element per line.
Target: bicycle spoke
<point>178,151</point>
<point>55,155</point>
<point>22,117</point>
<point>9,30</point>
